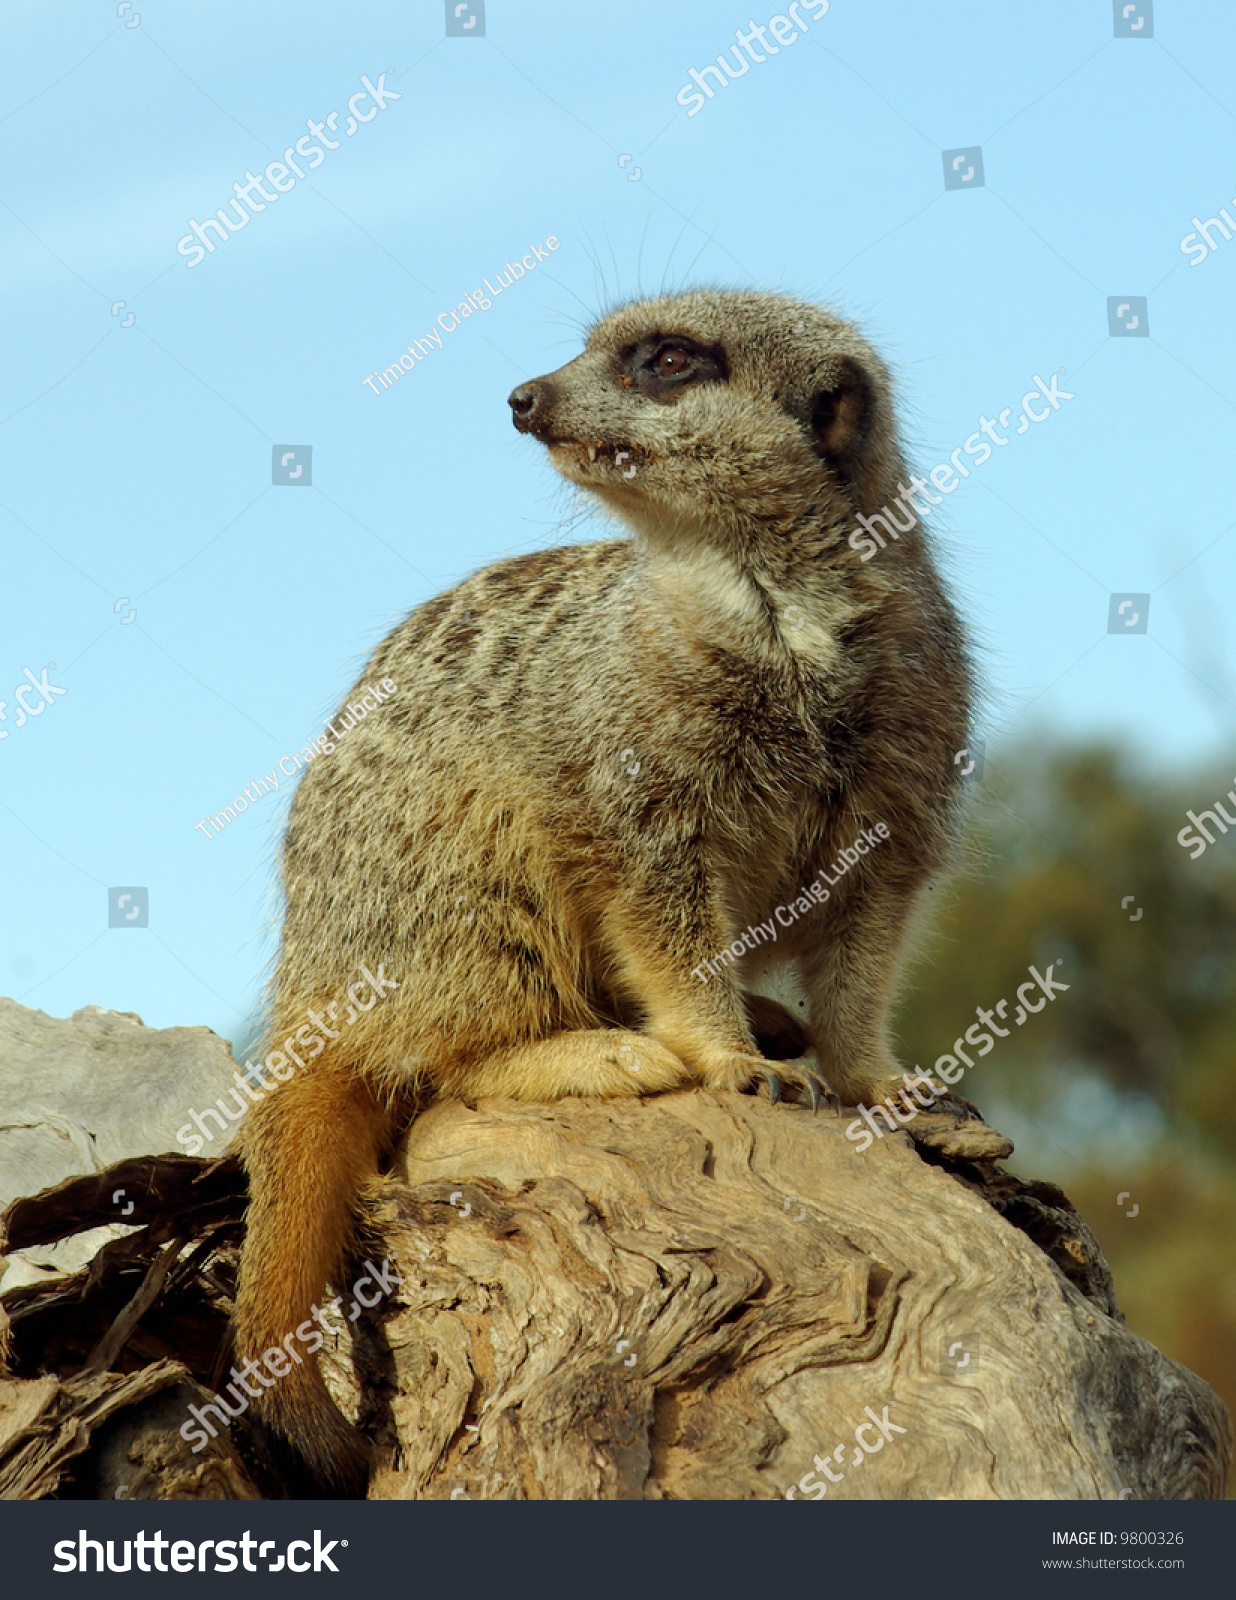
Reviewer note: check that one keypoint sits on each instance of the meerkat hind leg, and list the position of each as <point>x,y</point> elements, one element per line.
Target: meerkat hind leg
<point>607,1062</point>
<point>851,982</point>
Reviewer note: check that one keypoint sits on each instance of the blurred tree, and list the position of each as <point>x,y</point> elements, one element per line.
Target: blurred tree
<point>1061,839</point>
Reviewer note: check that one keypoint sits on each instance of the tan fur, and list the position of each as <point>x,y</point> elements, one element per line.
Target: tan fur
<point>542,904</point>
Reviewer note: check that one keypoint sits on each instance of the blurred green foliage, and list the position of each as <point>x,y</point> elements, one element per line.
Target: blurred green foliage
<point>1124,1085</point>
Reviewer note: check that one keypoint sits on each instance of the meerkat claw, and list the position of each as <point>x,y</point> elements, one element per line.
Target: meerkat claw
<point>774,1087</point>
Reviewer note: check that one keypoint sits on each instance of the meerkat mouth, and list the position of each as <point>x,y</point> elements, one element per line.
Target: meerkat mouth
<point>595,457</point>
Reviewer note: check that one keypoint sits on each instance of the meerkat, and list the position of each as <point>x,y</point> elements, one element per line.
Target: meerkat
<point>594,768</point>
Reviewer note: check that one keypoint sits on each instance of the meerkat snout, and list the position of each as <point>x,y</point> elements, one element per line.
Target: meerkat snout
<point>528,405</point>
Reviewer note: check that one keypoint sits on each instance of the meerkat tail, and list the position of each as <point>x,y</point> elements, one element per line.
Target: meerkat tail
<point>308,1147</point>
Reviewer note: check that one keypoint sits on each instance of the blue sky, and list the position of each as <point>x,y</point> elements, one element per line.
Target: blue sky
<point>137,439</point>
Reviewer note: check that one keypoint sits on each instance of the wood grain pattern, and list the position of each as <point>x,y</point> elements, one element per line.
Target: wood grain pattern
<point>771,1283</point>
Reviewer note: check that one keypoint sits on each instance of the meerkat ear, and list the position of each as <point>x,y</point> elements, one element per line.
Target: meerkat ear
<point>841,417</point>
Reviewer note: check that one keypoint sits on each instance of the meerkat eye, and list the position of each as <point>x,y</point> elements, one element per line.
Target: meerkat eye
<point>665,366</point>
<point>670,361</point>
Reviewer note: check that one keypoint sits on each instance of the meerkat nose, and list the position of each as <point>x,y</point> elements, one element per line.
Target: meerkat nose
<point>528,406</point>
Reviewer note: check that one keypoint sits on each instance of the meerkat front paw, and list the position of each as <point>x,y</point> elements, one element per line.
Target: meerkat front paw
<point>719,1068</point>
<point>793,1082</point>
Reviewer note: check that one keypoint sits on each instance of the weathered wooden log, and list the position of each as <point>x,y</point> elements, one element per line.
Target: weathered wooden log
<point>695,1296</point>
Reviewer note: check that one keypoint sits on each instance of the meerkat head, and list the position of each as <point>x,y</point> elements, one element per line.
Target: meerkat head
<point>721,416</point>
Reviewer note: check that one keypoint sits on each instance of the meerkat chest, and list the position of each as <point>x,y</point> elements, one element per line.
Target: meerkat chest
<point>713,604</point>
<point>748,740</point>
